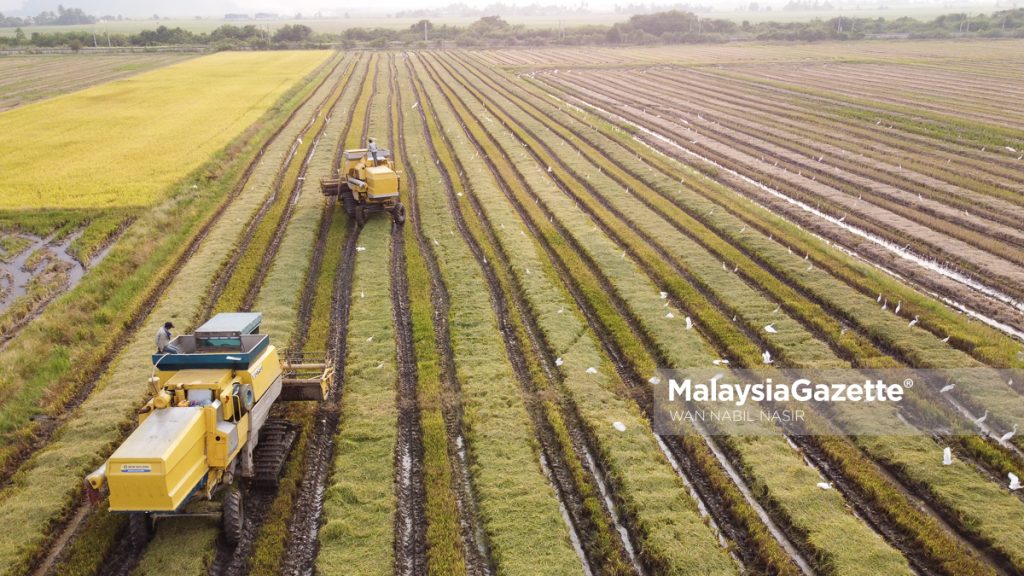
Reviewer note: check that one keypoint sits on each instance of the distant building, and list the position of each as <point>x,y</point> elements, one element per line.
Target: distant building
<point>267,16</point>
<point>236,17</point>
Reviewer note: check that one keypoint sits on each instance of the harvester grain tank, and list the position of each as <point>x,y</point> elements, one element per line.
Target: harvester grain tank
<point>366,185</point>
<point>209,425</point>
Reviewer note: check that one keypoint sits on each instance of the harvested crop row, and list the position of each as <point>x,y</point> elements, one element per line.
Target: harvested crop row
<point>884,328</point>
<point>566,454</point>
<point>449,507</point>
<point>518,509</point>
<point>950,484</point>
<point>595,397</point>
<point>897,229</point>
<point>610,259</point>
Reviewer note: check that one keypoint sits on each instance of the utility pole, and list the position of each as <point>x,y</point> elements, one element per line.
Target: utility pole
<point>94,44</point>
<point>425,31</point>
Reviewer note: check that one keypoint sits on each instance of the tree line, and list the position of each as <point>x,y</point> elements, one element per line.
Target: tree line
<point>670,27</point>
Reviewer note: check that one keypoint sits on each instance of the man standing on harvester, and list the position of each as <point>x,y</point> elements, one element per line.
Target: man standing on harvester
<point>372,147</point>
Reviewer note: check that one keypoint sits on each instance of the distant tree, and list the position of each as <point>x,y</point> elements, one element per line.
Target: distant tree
<point>75,45</point>
<point>293,33</point>
<point>19,36</point>
<point>489,25</point>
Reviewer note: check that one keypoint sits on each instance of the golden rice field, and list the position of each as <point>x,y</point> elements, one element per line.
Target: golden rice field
<point>122,143</point>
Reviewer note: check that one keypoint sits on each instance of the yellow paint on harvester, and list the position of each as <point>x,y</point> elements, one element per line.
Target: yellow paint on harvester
<point>123,143</point>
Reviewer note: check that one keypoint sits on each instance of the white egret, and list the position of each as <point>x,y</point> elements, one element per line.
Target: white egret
<point>825,485</point>
<point>770,328</point>
<point>619,426</point>
<point>663,295</point>
<point>982,419</point>
<point>947,456</point>
<point>947,388</point>
<point>591,370</point>
<point>766,356</point>
<point>689,323</point>
<point>1006,437</point>
<point>654,380</point>
<point>914,321</point>
<point>898,306</point>
<point>1014,481</point>
<point>559,362</point>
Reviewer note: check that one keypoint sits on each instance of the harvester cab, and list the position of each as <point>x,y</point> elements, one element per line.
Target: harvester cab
<point>366,185</point>
<point>208,423</point>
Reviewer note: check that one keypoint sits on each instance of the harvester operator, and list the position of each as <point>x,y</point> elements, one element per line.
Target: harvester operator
<point>372,147</point>
<point>163,337</point>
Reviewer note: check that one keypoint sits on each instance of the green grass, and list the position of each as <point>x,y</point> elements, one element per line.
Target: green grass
<point>358,531</point>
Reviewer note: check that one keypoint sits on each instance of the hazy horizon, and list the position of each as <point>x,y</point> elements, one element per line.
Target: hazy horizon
<point>218,8</point>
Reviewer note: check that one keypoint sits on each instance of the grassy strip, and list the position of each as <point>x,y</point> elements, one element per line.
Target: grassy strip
<point>11,246</point>
<point>38,367</point>
<point>49,485</point>
<point>444,539</point>
<point>358,531</point>
<point>644,480</point>
<point>828,517</point>
<point>519,512</point>
<point>99,233</point>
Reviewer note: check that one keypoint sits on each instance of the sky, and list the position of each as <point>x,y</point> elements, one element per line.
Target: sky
<point>214,8</point>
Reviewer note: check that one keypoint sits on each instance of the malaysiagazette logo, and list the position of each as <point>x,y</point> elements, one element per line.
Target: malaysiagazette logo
<point>800,390</point>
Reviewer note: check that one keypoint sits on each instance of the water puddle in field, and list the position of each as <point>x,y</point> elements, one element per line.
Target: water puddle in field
<point>16,276</point>
<point>921,261</point>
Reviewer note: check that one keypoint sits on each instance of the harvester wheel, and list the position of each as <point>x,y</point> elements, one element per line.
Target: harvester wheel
<point>140,529</point>
<point>233,516</point>
<point>360,215</point>
<point>349,203</point>
<point>399,213</point>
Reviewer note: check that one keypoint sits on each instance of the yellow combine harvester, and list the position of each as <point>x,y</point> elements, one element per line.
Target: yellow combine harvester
<point>366,185</point>
<point>208,423</point>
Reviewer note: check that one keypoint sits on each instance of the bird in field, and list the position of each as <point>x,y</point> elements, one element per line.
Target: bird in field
<point>669,315</point>
<point>689,323</point>
<point>777,308</point>
<point>654,380</point>
<point>898,306</point>
<point>947,388</point>
<point>879,299</point>
<point>914,321</point>
<point>619,426</point>
<point>663,295</point>
<point>766,357</point>
<point>591,370</point>
<point>770,328</point>
<point>720,361</point>
<point>549,169</point>
<point>885,304</point>
<point>843,218</point>
<point>947,456</point>
<point>825,485</point>
<point>559,362</point>
<point>724,266</point>
<point>946,339</point>
<point>1014,482</point>
<point>736,267</point>
<point>984,417</point>
<point>1006,437</point>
